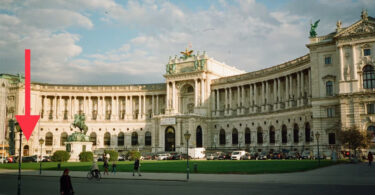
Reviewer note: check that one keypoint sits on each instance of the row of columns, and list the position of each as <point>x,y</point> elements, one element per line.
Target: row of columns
<point>273,94</point>
<point>98,107</point>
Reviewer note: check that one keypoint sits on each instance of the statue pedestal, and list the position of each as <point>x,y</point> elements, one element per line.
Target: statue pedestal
<point>76,147</point>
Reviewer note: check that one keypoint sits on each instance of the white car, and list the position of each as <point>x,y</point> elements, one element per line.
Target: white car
<point>162,156</point>
<point>237,155</point>
<point>3,160</point>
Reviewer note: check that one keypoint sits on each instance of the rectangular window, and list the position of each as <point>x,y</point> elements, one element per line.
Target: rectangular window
<point>371,108</point>
<point>330,112</point>
<point>327,60</point>
<point>331,138</point>
<point>366,52</point>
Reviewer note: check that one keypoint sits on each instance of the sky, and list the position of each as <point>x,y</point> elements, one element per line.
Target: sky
<point>129,42</point>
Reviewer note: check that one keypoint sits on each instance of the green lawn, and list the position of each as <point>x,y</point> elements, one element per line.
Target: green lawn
<point>204,166</point>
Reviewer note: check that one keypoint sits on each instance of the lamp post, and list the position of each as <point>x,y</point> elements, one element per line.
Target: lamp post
<point>187,137</point>
<point>41,142</point>
<point>19,159</point>
<point>317,135</point>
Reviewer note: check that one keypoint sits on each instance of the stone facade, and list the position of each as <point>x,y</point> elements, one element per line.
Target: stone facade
<point>277,108</point>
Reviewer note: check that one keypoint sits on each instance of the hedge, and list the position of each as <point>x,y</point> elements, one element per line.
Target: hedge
<point>60,156</point>
<point>86,157</point>
<point>113,155</point>
<point>133,154</point>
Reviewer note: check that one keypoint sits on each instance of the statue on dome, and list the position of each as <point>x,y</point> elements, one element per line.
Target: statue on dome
<point>187,53</point>
<point>313,28</point>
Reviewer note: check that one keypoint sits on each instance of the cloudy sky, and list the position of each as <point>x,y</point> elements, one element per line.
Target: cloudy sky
<point>124,42</point>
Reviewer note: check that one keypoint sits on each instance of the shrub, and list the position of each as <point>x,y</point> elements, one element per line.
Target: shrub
<point>133,154</point>
<point>60,156</point>
<point>113,155</point>
<point>86,157</point>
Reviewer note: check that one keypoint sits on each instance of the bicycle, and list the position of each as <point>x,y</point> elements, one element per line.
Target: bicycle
<point>96,175</point>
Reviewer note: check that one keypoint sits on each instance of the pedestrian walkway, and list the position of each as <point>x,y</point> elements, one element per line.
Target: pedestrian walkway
<point>342,174</point>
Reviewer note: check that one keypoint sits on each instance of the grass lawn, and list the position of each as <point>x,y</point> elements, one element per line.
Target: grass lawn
<point>204,166</point>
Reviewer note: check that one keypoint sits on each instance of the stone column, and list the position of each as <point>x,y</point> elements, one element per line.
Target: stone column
<point>70,106</point>
<point>226,101</point>
<point>131,108</point>
<point>174,107</point>
<point>262,101</point>
<point>302,88</point>
<point>139,107</point>
<point>286,92</point>
<point>238,101</point>
<point>291,89</point>
<point>53,107</point>
<point>243,99</point>
<point>255,94</point>
<point>144,107</point>
<point>167,97</point>
<point>217,102</point>
<point>202,92</point>
<point>309,85</point>
<point>353,74</point>
<point>103,108</point>
<point>195,92</point>
<point>268,96</point>
<point>342,68</point>
<point>274,94</point>
<point>153,105</point>
<point>157,104</point>
<point>230,101</point>
<point>90,108</point>
<point>278,92</point>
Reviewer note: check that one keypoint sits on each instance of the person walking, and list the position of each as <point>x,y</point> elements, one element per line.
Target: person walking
<point>370,158</point>
<point>106,166</point>
<point>114,165</point>
<point>66,187</point>
<point>137,167</point>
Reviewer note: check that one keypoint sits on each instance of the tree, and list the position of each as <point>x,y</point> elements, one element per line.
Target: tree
<point>355,139</point>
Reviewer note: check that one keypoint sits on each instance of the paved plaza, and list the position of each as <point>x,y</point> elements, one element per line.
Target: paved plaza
<point>339,179</point>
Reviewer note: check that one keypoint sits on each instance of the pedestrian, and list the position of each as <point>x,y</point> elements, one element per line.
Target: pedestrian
<point>370,158</point>
<point>114,165</point>
<point>94,169</point>
<point>66,187</point>
<point>137,167</point>
<point>106,166</point>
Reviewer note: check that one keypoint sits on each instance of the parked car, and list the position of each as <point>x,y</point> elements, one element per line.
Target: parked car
<point>10,159</point>
<point>246,156</point>
<point>172,156</point>
<point>29,159</point>
<point>213,156</point>
<point>3,160</point>
<point>276,156</point>
<point>262,156</point>
<point>180,157</point>
<point>46,159</point>
<point>305,154</point>
<point>224,156</point>
<point>291,155</point>
<point>121,158</point>
<point>237,155</point>
<point>162,156</point>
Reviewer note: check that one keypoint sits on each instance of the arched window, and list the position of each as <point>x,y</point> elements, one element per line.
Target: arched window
<point>329,88</point>
<point>295,133</point>
<point>107,139</point>
<point>272,135</point>
<point>222,137</point>
<point>26,150</point>
<point>368,77</point>
<point>307,132</point>
<point>148,138</point>
<point>371,131</point>
<point>93,138</point>
<point>198,137</point>
<point>120,139</point>
<point>134,138</point>
<point>63,138</point>
<point>49,139</point>
<point>234,136</point>
<point>247,136</point>
<point>260,135</point>
<point>284,135</point>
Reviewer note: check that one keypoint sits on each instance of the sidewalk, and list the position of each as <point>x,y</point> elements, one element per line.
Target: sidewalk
<point>343,174</point>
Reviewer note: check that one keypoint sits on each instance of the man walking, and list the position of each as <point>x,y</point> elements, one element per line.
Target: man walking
<point>370,158</point>
<point>66,187</point>
<point>137,167</point>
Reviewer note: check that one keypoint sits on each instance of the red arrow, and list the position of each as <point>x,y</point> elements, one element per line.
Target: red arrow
<point>27,122</point>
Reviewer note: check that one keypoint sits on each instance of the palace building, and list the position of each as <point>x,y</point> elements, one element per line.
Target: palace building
<point>278,108</point>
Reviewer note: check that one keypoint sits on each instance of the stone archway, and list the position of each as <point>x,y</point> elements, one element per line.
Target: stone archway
<point>199,137</point>
<point>26,150</point>
<point>170,139</point>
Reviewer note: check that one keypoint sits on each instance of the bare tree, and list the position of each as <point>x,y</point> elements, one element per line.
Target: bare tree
<point>354,139</point>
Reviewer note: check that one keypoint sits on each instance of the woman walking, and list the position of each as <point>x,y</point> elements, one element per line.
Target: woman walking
<point>66,187</point>
<point>137,167</point>
<point>106,166</point>
<point>370,158</point>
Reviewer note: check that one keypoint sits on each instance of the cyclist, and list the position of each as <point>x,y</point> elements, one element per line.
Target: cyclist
<point>94,169</point>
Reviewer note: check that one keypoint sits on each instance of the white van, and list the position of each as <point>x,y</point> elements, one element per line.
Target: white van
<point>237,155</point>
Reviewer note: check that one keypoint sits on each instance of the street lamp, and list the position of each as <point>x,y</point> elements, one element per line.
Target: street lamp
<point>187,137</point>
<point>41,142</point>
<point>317,135</point>
<point>18,128</point>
